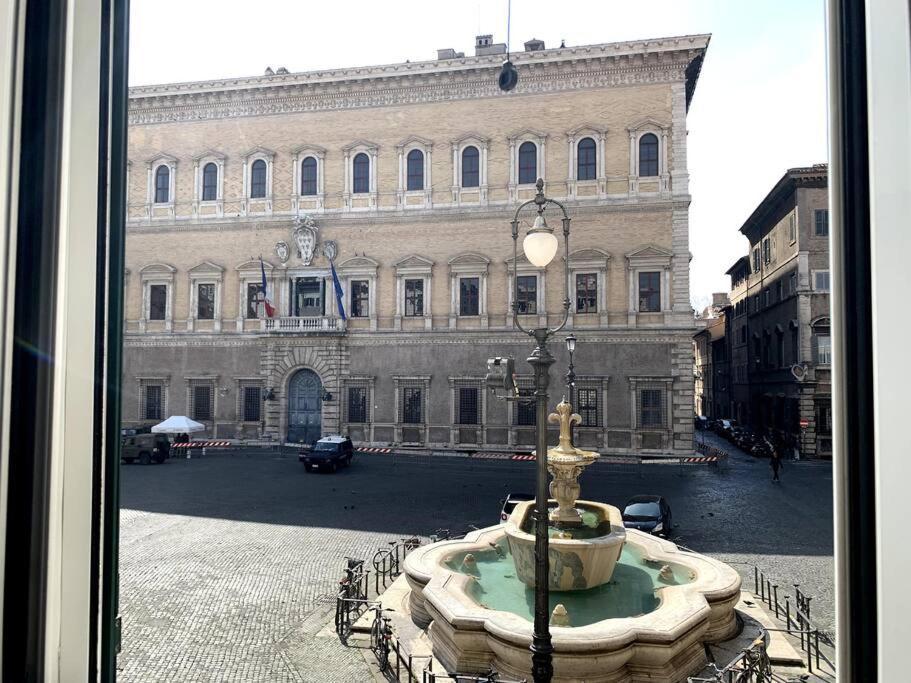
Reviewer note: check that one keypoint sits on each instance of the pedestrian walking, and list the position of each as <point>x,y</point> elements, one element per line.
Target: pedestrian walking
<point>775,463</point>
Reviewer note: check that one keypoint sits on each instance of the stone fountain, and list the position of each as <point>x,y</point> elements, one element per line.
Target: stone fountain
<point>626,606</point>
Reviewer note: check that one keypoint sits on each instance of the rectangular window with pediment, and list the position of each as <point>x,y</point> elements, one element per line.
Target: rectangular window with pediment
<point>649,292</point>
<point>360,298</point>
<point>586,293</point>
<point>527,294</point>
<point>469,295</point>
<point>414,298</point>
<point>205,301</point>
<point>158,302</point>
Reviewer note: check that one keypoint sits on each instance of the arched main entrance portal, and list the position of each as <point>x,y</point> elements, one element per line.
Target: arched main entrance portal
<point>305,392</point>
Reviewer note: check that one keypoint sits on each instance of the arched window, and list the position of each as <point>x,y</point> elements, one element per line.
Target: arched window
<point>361,173</point>
<point>162,184</point>
<point>528,163</point>
<point>308,176</point>
<point>471,174</point>
<point>586,166</point>
<point>415,170</point>
<point>648,155</point>
<point>258,179</point>
<point>209,182</point>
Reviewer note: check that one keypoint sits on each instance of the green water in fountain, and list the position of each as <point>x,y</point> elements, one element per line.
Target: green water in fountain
<point>593,525</point>
<point>634,588</point>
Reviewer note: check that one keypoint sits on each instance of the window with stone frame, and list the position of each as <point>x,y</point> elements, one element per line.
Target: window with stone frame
<point>821,280</point>
<point>469,296</point>
<point>309,176</point>
<point>823,349</point>
<point>651,408</point>
<point>588,406</point>
<point>821,222</point>
<point>258,174</point>
<point>586,293</point>
<point>525,410</point>
<point>650,292</point>
<point>648,155</point>
<point>252,402</point>
<point>153,401</point>
<point>414,298</point>
<point>527,294</point>
<point>468,405</point>
<point>205,301</point>
<point>361,173</point>
<point>767,250</point>
<point>254,300</point>
<point>528,163</point>
<point>158,302</point>
<point>411,405</point>
<point>356,405</point>
<point>162,184</point>
<point>201,396</point>
<point>360,299</point>
<point>210,182</point>
<point>471,167</point>
<point>757,263</point>
<point>586,159</point>
<point>414,163</point>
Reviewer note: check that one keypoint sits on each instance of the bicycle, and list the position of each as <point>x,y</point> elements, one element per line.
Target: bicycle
<point>381,637</point>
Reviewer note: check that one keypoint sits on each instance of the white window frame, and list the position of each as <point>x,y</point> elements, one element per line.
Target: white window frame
<point>636,132</point>
<point>250,272</point>
<point>360,268</point>
<point>199,164</point>
<point>404,148</point>
<point>458,146</point>
<point>573,138</point>
<point>818,356</point>
<point>298,155</point>
<point>371,149</point>
<point>249,158</point>
<point>152,165</point>
<point>468,265</point>
<point>413,267</point>
<point>157,274</point>
<point>206,273</point>
<point>584,261</point>
<point>828,275</point>
<point>516,140</point>
<point>525,268</point>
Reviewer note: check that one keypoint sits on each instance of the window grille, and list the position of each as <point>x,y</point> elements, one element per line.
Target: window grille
<point>412,405</point>
<point>258,179</point>
<point>821,218</point>
<point>252,408</point>
<point>528,163</point>
<point>415,163</point>
<point>586,293</point>
<point>361,173</point>
<point>586,166</point>
<point>360,299</point>
<point>357,405</point>
<point>469,300</point>
<point>527,294</point>
<point>648,155</point>
<point>470,167</point>
<point>650,292</point>
<point>308,176</point>
<point>651,408</point>
<point>202,402</point>
<point>209,182</point>
<point>588,405</point>
<point>469,406</point>
<point>152,402</point>
<point>414,298</point>
<point>158,301</point>
<point>526,410</point>
<point>205,301</point>
<point>162,184</point>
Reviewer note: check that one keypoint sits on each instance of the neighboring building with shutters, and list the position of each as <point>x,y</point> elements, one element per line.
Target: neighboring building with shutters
<point>407,176</point>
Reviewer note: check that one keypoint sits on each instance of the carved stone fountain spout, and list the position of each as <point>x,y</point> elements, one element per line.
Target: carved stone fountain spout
<point>565,463</point>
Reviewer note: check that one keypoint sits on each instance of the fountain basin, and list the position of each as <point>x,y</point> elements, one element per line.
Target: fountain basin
<point>583,558</point>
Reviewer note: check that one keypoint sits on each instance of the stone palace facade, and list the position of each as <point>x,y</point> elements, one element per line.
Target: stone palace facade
<point>406,177</point>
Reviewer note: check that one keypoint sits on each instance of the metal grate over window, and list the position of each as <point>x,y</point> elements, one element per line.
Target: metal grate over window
<point>651,408</point>
<point>412,405</point>
<point>152,402</point>
<point>588,406</point>
<point>202,402</point>
<point>252,404</point>
<point>525,412</point>
<point>469,406</point>
<point>357,405</point>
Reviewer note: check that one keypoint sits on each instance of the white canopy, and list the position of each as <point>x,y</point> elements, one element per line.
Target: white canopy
<point>178,424</point>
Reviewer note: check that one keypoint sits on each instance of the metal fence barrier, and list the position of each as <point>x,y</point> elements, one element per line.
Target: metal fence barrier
<point>387,562</point>
<point>751,665</point>
<point>351,600</point>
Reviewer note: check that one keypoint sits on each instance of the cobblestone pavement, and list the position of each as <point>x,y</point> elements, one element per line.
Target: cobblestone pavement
<point>229,562</point>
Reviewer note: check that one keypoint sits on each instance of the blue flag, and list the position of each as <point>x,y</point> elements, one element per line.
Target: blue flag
<point>339,294</point>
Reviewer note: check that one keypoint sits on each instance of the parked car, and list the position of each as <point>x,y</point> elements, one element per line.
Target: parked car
<point>702,422</point>
<point>651,514</point>
<point>762,448</point>
<point>510,502</point>
<point>725,428</point>
<point>744,439</point>
<point>327,454</point>
<point>147,448</point>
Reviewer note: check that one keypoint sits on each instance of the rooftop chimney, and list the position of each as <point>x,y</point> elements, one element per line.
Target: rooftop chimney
<point>533,45</point>
<point>484,45</point>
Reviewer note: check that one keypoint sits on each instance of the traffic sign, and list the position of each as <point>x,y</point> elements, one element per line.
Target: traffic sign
<point>804,423</point>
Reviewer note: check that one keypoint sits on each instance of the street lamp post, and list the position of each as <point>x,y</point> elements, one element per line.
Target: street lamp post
<point>571,380</point>
<point>540,246</point>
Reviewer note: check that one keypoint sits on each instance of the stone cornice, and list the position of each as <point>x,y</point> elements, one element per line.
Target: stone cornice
<point>661,60</point>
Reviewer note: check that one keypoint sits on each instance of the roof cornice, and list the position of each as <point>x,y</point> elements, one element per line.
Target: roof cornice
<point>572,68</point>
<point>804,176</point>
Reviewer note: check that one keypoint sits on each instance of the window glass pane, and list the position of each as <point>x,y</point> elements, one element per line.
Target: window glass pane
<point>158,301</point>
<point>586,166</point>
<point>792,227</point>
<point>253,299</point>
<point>821,280</point>
<point>648,155</point>
<point>357,404</point>
<point>360,299</point>
<point>361,172</point>
<point>470,167</point>
<point>527,294</point>
<point>162,185</point>
<point>414,298</point>
<point>468,296</point>
<point>586,293</point>
<point>153,402</point>
<point>651,408</point>
<point>415,170</point>
<point>252,404</point>
<point>587,405</point>
<point>202,403</point>
<point>649,292</point>
<point>412,405</point>
<point>205,301</point>
<point>823,349</point>
<point>822,222</point>
<point>528,163</point>
<point>308,176</point>
<point>210,182</point>
<point>468,410</point>
<point>258,179</point>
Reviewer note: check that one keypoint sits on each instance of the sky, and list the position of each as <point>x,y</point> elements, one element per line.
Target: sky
<point>759,106</point>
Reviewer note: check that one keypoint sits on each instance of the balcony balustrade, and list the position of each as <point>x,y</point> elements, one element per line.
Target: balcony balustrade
<point>303,324</point>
